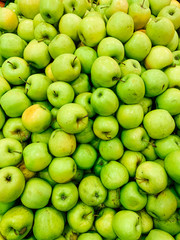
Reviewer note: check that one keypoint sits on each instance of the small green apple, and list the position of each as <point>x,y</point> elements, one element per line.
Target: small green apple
<point>147,221</point>
<point>87,135</point>
<point>112,199</point>
<point>130,66</point>
<point>8,20</point>
<point>25,30</point>
<point>29,8</point>
<point>45,32</point>
<point>173,76</point>
<point>156,234</point>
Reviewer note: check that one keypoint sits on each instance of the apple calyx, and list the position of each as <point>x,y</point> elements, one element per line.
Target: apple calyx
<point>107,135</point>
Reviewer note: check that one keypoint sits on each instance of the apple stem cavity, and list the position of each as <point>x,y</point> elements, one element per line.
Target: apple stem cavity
<point>14,66</point>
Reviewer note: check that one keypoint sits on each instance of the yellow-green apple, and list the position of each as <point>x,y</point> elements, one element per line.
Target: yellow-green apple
<point>121,26</point>
<point>8,20</point>
<point>77,7</point>
<point>91,191</point>
<point>16,223</point>
<point>25,30</point>
<point>10,152</point>
<point>12,183</point>
<point>14,102</point>
<point>13,128</point>
<point>177,121</point>
<point>60,44</point>
<point>37,54</point>
<point>62,169</point>
<point>90,235</point>
<point>72,118</point>
<point>112,47</point>
<point>64,196</point>
<point>105,149</point>
<point>146,220</point>
<point>105,72</point>
<point>156,234</point>
<point>138,46</point>
<point>91,30</point>
<point>4,207</point>
<point>169,100</point>
<point>29,8</point>
<point>130,116</point>
<point>116,6</point>
<point>130,66</point>
<point>114,175</point>
<point>81,217</point>
<point>130,222</point>
<point>37,19</point>
<point>4,86</point>
<point>48,223</point>
<point>171,162</point>
<point>69,232</point>
<point>36,118</point>
<point>156,82</point>
<point>87,135</point>
<point>172,13</point>
<point>173,76</point>
<point>69,24</point>
<point>173,44</point>
<point>36,194</point>
<point>66,67</point>
<point>105,127</point>
<point>45,32</point>
<point>158,58</point>
<point>151,177</point>
<point>48,72</point>
<point>149,152</point>
<point>87,56</point>
<point>51,10</point>
<point>132,197</point>
<point>11,45</point>
<point>112,199</point>
<point>14,7</point>
<point>61,144</point>
<point>44,174</point>
<point>131,160</point>
<point>16,70</point>
<point>2,118</point>
<point>176,58</point>
<point>157,6</point>
<point>98,165</point>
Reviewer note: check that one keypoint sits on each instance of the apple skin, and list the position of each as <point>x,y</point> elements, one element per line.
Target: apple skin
<point>112,199</point>
<point>147,221</point>
<point>25,30</point>
<point>130,222</point>
<point>8,20</point>
<point>62,144</point>
<point>2,118</point>
<point>4,86</point>
<point>98,165</point>
<point>171,162</point>
<point>87,135</point>
<point>156,234</point>
<point>4,207</point>
<point>48,223</point>
<point>130,66</point>
<point>173,76</point>
<point>20,219</point>
<point>173,44</point>
<point>157,6</point>
<point>29,8</point>
<point>90,236</point>
<point>151,177</point>
<point>16,183</point>
<point>158,123</point>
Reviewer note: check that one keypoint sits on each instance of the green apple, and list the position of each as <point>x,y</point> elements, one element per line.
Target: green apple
<point>13,128</point>
<point>64,196</point>
<point>61,144</point>
<point>114,175</point>
<point>177,120</point>
<point>85,156</point>
<point>157,6</point>
<point>69,233</point>
<point>87,135</point>
<point>77,7</point>
<point>176,58</point>
<point>37,54</point>
<point>44,174</point>
<point>103,223</point>
<point>131,160</point>
<point>45,104</point>
<point>61,44</point>
<point>112,199</point>
<point>130,89</point>
<point>81,217</point>
<point>36,194</point>
<point>130,116</point>
<point>98,165</point>
<point>158,123</point>
<point>173,76</point>
<point>87,56</point>
<point>29,8</point>
<point>104,101</point>
<point>91,191</point>
<point>105,128</point>
<point>45,32</point>
<point>51,10</point>
<point>4,207</point>
<point>12,183</point>
<point>2,118</point>
<point>16,70</point>
<point>169,100</point>
<point>157,234</point>
<point>138,46</point>
<point>154,61</point>
<point>121,26</point>
<point>81,84</point>
<point>151,177</point>
<point>112,47</point>
<point>8,20</point>
<point>72,118</point>
<point>132,197</point>
<point>90,236</point>
<point>156,82</point>
<point>130,222</point>
<point>171,162</point>
<point>37,19</point>
<point>69,24</point>
<point>91,30</point>
<point>36,118</point>
<point>105,149</point>
<point>14,102</point>
<point>173,44</point>
<point>1,135</point>
<point>130,66</point>
<point>62,169</point>
<point>146,220</point>
<point>16,223</point>
<point>149,152</point>
<point>66,67</point>
<point>11,45</point>
<point>25,30</point>
<point>48,223</point>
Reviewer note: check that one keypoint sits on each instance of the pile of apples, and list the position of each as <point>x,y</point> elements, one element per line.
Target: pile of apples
<point>90,120</point>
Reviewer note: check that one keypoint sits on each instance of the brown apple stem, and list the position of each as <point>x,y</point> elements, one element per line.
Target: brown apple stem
<point>85,215</point>
<point>19,133</point>
<point>24,81</point>
<point>142,5</point>
<point>150,143</point>
<point>74,60</point>
<point>55,93</point>
<point>17,152</point>
<point>11,64</point>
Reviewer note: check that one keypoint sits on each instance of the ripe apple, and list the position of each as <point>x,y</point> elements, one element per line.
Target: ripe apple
<point>146,221</point>
<point>173,76</point>
<point>98,165</point>
<point>44,174</point>
<point>112,199</point>
<point>45,32</point>
<point>90,235</point>
<point>157,6</point>
<point>8,20</point>
<point>37,19</point>
<point>29,8</point>
<point>130,66</point>
<point>25,30</point>
<point>156,234</point>
<point>87,135</point>
<point>77,7</point>
<point>176,58</point>
<point>2,118</point>
<point>173,44</point>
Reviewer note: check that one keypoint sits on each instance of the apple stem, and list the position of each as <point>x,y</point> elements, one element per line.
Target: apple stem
<point>85,215</point>
<point>16,152</point>
<point>142,5</point>
<point>150,143</point>
<point>74,61</point>
<point>24,80</point>
<point>11,64</point>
